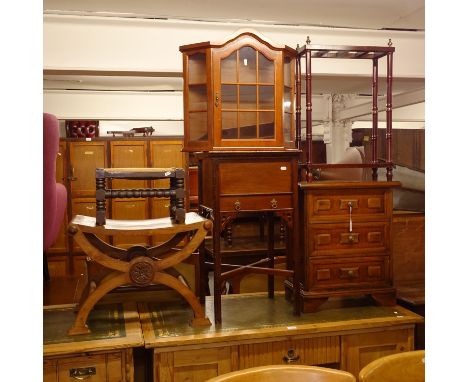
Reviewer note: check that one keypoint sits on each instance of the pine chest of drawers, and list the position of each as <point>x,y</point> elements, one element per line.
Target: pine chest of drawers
<point>346,241</point>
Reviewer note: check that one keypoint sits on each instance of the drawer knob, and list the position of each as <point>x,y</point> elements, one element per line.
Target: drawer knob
<point>81,373</point>
<point>291,356</point>
<point>351,273</point>
<point>274,203</point>
<point>351,238</point>
<point>237,205</point>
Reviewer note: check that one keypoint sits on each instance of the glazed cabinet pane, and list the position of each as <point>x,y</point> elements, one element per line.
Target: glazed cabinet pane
<point>247,65</point>
<point>198,126</point>
<point>266,70</point>
<point>229,68</point>
<point>197,98</point>
<point>197,68</point>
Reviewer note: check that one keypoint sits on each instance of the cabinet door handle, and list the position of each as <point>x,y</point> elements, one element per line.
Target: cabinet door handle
<point>291,356</point>
<point>81,373</point>
<point>237,205</point>
<point>274,203</point>
<point>216,100</point>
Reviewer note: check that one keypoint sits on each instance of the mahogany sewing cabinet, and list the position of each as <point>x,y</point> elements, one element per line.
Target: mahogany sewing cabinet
<point>232,183</point>
<point>239,124</point>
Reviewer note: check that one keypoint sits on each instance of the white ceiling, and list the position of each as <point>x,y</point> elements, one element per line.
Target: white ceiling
<point>366,14</point>
<point>362,14</point>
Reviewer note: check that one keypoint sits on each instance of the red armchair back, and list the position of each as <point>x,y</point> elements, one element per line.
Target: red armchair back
<point>54,194</point>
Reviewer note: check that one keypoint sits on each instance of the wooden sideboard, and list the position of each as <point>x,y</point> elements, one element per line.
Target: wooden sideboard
<point>345,334</point>
<point>76,165</point>
<point>104,355</point>
<point>347,241</point>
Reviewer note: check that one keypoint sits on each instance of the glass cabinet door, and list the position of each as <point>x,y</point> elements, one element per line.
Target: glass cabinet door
<point>247,99</point>
<point>288,100</point>
<point>197,97</point>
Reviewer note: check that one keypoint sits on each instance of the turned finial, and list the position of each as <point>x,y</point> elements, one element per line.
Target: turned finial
<point>390,43</point>
<point>308,40</point>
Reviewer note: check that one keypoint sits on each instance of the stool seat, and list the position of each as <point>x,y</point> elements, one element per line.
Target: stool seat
<point>145,226</point>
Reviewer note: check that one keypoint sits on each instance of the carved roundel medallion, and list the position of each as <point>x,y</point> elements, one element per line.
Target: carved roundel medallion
<point>141,271</point>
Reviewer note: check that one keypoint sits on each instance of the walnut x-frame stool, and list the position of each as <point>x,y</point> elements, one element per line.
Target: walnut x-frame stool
<point>138,265</point>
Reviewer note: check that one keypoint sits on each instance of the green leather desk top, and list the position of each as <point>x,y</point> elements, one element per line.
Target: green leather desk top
<point>257,316</point>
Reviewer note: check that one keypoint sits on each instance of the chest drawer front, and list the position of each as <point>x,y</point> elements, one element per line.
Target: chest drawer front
<point>255,177</point>
<point>304,351</point>
<point>337,206</point>
<point>99,367</point>
<point>255,203</point>
<point>352,272</point>
<point>337,238</point>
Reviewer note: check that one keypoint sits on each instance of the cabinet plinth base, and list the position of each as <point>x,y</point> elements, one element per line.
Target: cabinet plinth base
<point>310,301</point>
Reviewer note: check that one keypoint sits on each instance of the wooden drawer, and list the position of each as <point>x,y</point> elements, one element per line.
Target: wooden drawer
<point>322,205</point>
<point>255,177</point>
<point>93,368</point>
<point>196,365</point>
<point>337,238</point>
<point>304,351</point>
<point>255,203</point>
<point>349,272</point>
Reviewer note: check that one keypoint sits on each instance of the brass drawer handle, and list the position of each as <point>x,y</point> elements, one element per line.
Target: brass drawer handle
<point>274,203</point>
<point>81,373</point>
<point>349,273</point>
<point>237,205</point>
<point>291,357</point>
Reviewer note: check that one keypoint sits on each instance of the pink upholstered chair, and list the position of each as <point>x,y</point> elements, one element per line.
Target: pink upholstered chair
<point>54,194</point>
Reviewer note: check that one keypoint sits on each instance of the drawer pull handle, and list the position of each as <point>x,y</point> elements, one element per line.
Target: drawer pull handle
<point>81,373</point>
<point>351,238</point>
<point>237,205</point>
<point>274,203</point>
<point>291,357</point>
<point>351,273</point>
